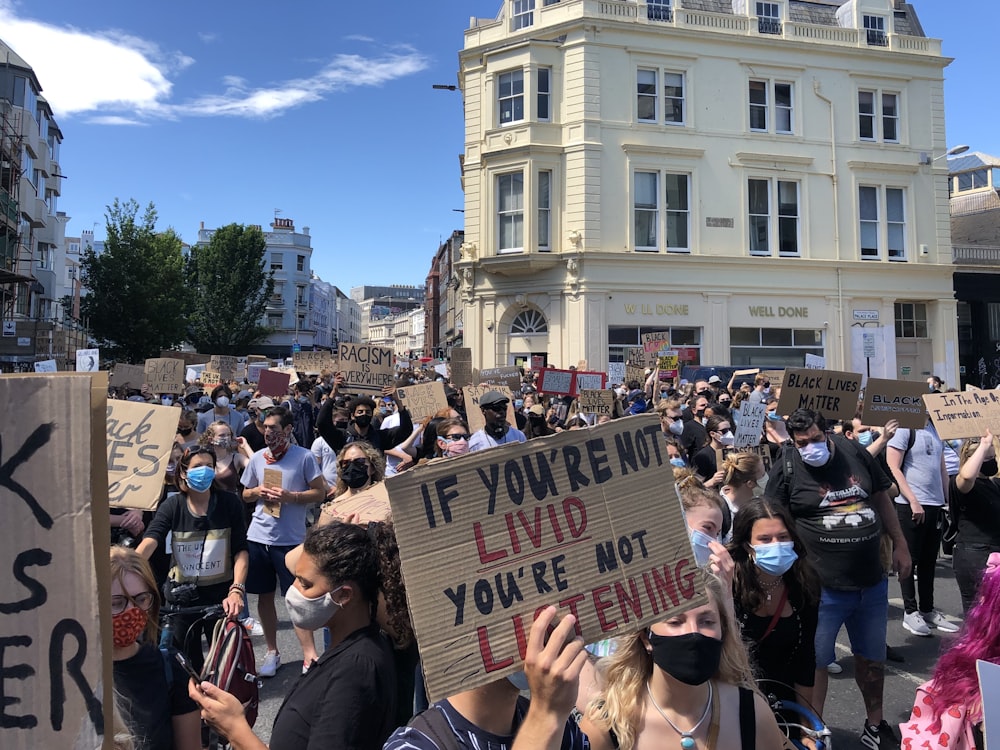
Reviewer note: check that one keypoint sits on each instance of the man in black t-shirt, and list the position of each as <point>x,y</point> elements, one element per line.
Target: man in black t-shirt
<point>837,495</point>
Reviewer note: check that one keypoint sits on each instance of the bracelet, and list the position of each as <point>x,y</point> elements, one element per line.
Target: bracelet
<point>239,587</point>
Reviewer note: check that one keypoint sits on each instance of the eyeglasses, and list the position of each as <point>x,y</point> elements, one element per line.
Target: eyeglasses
<point>453,438</point>
<point>143,601</point>
<point>355,462</point>
<point>678,418</point>
<point>499,407</point>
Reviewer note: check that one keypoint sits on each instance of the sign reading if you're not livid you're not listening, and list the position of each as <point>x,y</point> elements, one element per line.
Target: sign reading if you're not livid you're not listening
<point>587,521</point>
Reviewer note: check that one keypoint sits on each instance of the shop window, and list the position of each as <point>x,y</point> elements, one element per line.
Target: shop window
<point>773,347</point>
<point>911,320</point>
<point>687,341</point>
<point>529,322</point>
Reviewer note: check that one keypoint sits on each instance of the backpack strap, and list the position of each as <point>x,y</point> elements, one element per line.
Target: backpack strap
<point>434,724</point>
<point>748,720</point>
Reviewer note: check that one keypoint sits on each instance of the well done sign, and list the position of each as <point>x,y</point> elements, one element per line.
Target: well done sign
<point>577,520</point>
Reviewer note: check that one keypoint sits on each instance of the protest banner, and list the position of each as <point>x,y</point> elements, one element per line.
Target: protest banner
<point>599,402</point>
<point>128,375</point>
<point>423,401</point>
<point>652,345</point>
<point>140,437</point>
<point>370,505</point>
<point>223,364</point>
<point>56,625</point>
<point>586,520</point>
<point>472,395</point>
<point>635,374</point>
<point>584,380</point>
<point>366,368</point>
<point>667,364</point>
<point>833,394</point>
<point>894,399</point>
<point>273,383</point>
<point>461,367</point>
<point>254,369</point>
<point>616,372</point>
<point>537,361</point>
<point>508,376</point>
<point>165,375</point>
<point>555,382</point>
<point>189,358</point>
<point>314,362</point>
<point>750,428</point>
<point>964,415</point>
<point>46,365</point>
<point>815,362</point>
<point>210,380</point>
<point>88,360</point>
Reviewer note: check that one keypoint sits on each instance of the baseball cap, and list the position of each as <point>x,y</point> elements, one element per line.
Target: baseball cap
<point>715,379</point>
<point>262,402</point>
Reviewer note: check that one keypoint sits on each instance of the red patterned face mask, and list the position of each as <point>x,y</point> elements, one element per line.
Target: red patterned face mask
<point>127,626</point>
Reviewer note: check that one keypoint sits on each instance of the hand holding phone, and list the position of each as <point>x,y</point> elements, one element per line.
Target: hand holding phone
<point>187,667</point>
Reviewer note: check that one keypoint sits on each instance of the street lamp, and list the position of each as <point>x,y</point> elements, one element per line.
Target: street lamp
<point>926,159</point>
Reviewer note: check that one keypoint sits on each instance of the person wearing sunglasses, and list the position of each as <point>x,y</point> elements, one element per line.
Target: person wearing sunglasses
<point>359,466</point>
<point>156,707</point>
<point>496,432</point>
<point>452,438</point>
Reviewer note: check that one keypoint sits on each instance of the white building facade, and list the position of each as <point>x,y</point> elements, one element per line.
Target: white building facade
<point>760,179</point>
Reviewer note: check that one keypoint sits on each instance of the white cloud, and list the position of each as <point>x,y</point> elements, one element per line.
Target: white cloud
<point>208,36</point>
<point>358,38</point>
<point>120,79</point>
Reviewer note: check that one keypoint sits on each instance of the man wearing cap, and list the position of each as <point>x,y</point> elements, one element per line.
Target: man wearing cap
<point>253,433</point>
<point>496,431</point>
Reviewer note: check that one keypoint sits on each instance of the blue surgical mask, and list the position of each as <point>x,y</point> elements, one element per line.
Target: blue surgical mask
<point>518,680</point>
<point>773,416</point>
<point>518,403</point>
<point>776,558</point>
<point>866,438</point>
<point>200,478</point>
<point>678,462</point>
<point>699,543</point>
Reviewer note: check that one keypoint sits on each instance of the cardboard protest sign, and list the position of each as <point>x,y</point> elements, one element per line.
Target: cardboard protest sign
<point>165,375</point>
<point>508,376</point>
<point>56,625</point>
<point>130,375</point>
<point>555,382</point>
<point>88,360</point>
<point>423,400</point>
<point>273,383</point>
<point>461,367</point>
<point>139,439</point>
<point>586,520</point>
<point>964,415</point>
<point>369,505</point>
<point>366,368</point>
<point>775,377</point>
<point>652,345</point>
<point>272,478</point>
<point>314,362</point>
<point>833,394</point>
<point>472,395</point>
<point>635,374</point>
<point>894,399</point>
<point>584,380</point>
<point>598,402</point>
<point>223,364</point>
<point>634,355</point>
<point>46,365</point>
<point>254,369</point>
<point>750,428</point>
<point>616,372</point>
<point>210,379</point>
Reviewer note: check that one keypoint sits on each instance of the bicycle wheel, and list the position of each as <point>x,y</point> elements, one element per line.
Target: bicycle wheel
<point>796,718</point>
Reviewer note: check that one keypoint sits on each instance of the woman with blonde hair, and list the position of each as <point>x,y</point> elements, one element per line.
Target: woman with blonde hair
<point>741,473</point>
<point>682,682</point>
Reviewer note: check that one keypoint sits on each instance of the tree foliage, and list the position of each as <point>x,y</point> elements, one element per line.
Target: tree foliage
<point>231,289</point>
<point>136,302</point>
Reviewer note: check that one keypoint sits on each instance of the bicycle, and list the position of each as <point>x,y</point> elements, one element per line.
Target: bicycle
<point>797,719</point>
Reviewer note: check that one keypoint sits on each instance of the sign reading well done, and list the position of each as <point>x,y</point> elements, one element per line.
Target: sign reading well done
<point>576,520</point>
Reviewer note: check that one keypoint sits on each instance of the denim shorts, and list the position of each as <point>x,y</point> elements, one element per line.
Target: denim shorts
<point>267,568</point>
<point>864,612</point>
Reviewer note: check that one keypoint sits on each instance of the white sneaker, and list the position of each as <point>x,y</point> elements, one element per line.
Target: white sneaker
<point>915,624</point>
<point>935,619</point>
<point>252,626</point>
<point>834,668</point>
<point>272,660</point>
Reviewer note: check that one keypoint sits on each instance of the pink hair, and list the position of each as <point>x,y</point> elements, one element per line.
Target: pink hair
<point>955,681</point>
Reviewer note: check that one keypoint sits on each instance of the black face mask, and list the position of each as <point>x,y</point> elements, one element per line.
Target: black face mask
<point>341,425</point>
<point>185,431</point>
<point>691,658</point>
<point>355,476</point>
<point>537,422</point>
<point>363,420</point>
<point>989,468</point>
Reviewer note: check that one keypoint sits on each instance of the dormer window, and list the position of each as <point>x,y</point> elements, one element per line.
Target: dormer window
<point>768,18</point>
<point>875,31</point>
<point>659,10</point>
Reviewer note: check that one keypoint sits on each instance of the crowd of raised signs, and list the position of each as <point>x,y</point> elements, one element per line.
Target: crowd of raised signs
<point>795,524</point>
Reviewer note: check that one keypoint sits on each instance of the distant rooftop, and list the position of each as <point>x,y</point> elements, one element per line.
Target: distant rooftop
<point>973,160</point>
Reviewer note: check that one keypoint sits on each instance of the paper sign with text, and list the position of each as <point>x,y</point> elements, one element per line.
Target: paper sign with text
<point>314,361</point>
<point>635,374</point>
<point>894,399</point>
<point>616,372</point>
<point>833,394</point>
<point>57,668</point>
<point>584,380</point>
<point>140,437</point>
<point>634,355</point>
<point>165,374</point>
<point>88,360</point>
<point>46,365</point>
<point>130,375</point>
<point>223,364</point>
<point>210,380</point>
<point>472,395</point>
<point>254,369</point>
<point>586,520</point>
<point>964,415</point>
<point>273,383</point>
<point>815,362</point>
<point>366,368</point>
<point>423,401</point>
<point>370,505</point>
<point>750,428</point>
<point>508,376</point>
<point>599,402</point>
<point>555,382</point>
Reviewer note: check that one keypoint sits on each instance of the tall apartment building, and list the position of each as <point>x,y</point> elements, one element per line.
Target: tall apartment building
<point>377,302</point>
<point>762,179</point>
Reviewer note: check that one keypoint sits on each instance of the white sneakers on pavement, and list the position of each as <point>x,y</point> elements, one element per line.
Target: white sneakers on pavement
<point>269,667</point>
<point>936,619</point>
<point>914,622</point>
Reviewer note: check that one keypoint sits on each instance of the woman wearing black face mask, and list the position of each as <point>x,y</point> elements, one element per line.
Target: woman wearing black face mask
<point>682,683</point>
<point>359,466</point>
<point>975,501</point>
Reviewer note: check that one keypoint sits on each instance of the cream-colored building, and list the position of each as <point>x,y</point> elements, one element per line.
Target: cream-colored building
<point>760,178</point>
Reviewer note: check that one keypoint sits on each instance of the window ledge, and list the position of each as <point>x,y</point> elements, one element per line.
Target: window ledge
<point>748,157</point>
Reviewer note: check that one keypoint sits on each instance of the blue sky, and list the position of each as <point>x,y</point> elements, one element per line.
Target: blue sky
<point>223,112</point>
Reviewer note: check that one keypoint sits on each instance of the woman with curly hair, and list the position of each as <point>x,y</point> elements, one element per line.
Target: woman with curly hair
<point>776,596</point>
<point>948,710</point>
<point>682,682</point>
<point>359,466</point>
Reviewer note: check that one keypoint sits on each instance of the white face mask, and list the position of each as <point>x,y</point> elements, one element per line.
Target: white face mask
<point>727,438</point>
<point>310,614</point>
<point>222,402</point>
<point>815,454</point>
<point>167,400</point>
<point>677,427</point>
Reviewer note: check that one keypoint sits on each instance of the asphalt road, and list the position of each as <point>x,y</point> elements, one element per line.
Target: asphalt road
<point>844,707</point>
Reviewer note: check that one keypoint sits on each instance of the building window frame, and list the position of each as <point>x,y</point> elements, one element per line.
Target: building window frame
<point>910,320</point>
<point>879,115</point>
<point>509,188</point>
<point>777,107</point>
<point>883,218</point>
<point>510,97</point>
<point>300,263</point>
<point>277,261</point>
<point>754,346</point>
<point>668,95</point>
<point>875,31</point>
<point>522,14</point>
<point>774,227</point>
<point>768,17</point>
<point>669,219</point>
<point>543,94</point>
<point>543,200</point>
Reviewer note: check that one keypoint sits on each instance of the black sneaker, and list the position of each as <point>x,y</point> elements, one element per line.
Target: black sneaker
<point>879,737</point>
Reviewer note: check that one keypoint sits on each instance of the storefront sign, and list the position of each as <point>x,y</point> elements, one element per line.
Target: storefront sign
<point>894,399</point>
<point>866,314</point>
<point>768,311</point>
<point>657,309</point>
<point>831,393</point>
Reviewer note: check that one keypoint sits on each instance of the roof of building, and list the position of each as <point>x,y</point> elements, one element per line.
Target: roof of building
<point>973,160</point>
<point>981,228</point>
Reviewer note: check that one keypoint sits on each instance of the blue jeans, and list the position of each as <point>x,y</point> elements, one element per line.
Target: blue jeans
<point>864,612</point>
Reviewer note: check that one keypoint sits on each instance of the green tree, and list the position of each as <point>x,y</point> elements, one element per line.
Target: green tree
<point>231,288</point>
<point>136,302</point>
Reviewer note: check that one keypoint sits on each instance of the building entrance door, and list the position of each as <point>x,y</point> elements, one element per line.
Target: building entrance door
<point>914,359</point>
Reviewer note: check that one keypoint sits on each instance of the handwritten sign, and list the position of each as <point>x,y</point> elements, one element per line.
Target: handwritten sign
<point>667,364</point>
<point>128,375</point>
<point>557,382</point>
<point>598,402</point>
<point>894,399</point>
<point>139,439</point>
<point>461,367</point>
<point>831,393</point>
<point>55,520</point>
<point>964,415</point>
<point>165,374</point>
<point>370,505</point>
<point>584,380</point>
<point>272,478</point>
<point>273,383</point>
<point>652,345</point>
<point>577,520</point>
<point>750,428</point>
<point>314,362</point>
<point>423,401</point>
<point>46,365</point>
<point>365,367</point>
<point>210,379</point>
<point>634,355</point>
<point>508,376</point>
<point>223,364</point>
<point>254,369</point>
<point>472,395</point>
<point>815,362</point>
<point>635,374</point>
<point>88,360</point>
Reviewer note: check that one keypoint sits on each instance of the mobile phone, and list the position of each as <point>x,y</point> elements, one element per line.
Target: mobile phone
<point>187,667</point>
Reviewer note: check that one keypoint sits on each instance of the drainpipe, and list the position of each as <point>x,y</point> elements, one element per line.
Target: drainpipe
<point>817,89</point>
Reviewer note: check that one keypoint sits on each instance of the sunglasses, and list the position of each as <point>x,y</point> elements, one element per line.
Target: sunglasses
<point>500,408</point>
<point>194,450</point>
<point>143,601</point>
<point>355,462</point>
<point>453,438</point>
